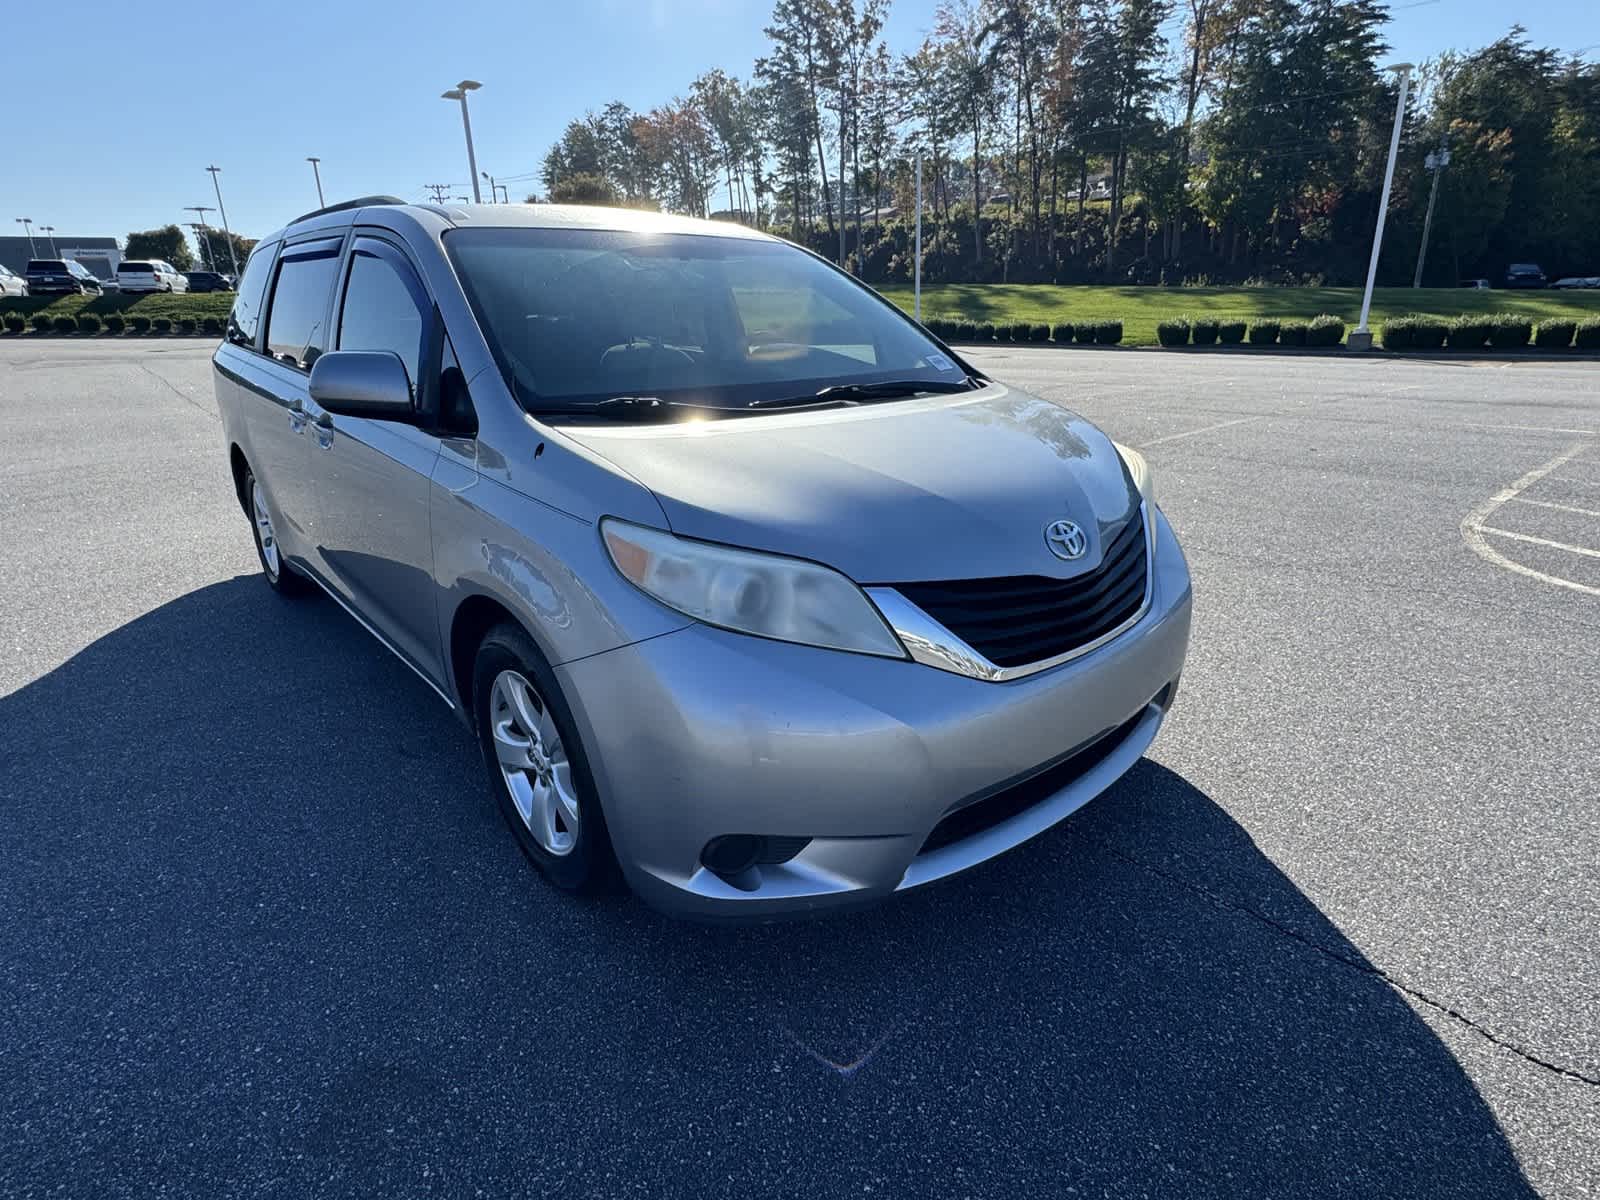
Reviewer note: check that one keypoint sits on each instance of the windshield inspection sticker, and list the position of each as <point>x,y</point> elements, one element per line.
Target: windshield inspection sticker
<point>940,363</point>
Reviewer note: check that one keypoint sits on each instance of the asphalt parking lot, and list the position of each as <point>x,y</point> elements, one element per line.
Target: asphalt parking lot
<point>1339,935</point>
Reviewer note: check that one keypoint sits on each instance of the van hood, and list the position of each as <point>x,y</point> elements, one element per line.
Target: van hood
<point>942,487</point>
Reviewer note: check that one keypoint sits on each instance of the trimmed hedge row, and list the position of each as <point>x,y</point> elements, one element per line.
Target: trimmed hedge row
<point>112,324</point>
<point>1209,331</point>
<point>1501,331</point>
<point>952,329</point>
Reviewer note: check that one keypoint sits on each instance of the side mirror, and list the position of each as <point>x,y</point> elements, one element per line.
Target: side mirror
<point>363,383</point>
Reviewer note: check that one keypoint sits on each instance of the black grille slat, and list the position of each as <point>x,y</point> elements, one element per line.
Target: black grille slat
<point>1111,610</point>
<point>1073,608</point>
<point>1020,619</point>
<point>989,810</point>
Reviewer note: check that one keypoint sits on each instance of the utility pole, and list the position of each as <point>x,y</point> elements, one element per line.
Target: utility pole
<point>233,255</point>
<point>1436,162</point>
<point>459,92</point>
<point>50,232</point>
<point>200,233</point>
<point>1361,336</point>
<point>916,269</point>
<point>317,174</point>
<point>441,191</point>
<point>33,251</point>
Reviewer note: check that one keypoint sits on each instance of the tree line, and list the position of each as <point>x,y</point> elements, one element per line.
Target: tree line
<point>169,245</point>
<point>1117,140</point>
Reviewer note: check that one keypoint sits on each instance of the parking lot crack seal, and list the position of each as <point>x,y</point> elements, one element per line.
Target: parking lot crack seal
<point>1354,963</point>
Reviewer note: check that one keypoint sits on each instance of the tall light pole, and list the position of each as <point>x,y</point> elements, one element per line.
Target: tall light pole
<point>233,255</point>
<point>459,92</point>
<point>50,232</point>
<point>1436,162</point>
<point>317,174</point>
<point>916,293</point>
<point>25,222</point>
<point>1361,336</point>
<point>494,196</point>
<point>200,233</point>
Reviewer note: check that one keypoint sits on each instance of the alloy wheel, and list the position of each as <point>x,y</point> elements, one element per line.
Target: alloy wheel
<point>533,762</point>
<point>264,534</point>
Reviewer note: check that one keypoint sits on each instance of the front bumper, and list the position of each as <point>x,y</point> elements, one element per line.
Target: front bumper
<point>703,733</point>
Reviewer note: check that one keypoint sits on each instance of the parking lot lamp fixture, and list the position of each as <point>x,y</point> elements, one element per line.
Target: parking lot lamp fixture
<point>33,251</point>
<point>317,174</point>
<point>459,92</point>
<point>49,231</point>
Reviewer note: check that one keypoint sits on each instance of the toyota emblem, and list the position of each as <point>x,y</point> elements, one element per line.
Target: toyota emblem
<point>1066,540</point>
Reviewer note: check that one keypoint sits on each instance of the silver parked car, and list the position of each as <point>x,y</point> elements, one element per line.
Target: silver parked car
<point>745,583</point>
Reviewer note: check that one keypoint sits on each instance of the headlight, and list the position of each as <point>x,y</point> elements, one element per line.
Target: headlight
<point>762,594</point>
<point>1143,478</point>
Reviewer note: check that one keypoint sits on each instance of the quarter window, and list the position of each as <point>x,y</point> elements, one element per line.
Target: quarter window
<point>295,329</point>
<point>380,312</point>
<point>244,322</point>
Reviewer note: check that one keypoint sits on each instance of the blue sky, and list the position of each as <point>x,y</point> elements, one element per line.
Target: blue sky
<point>120,146</point>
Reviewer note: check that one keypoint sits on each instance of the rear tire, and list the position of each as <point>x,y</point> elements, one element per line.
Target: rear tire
<point>275,569</point>
<point>537,767</point>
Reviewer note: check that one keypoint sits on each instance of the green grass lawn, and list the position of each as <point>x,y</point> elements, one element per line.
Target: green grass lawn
<point>1140,308</point>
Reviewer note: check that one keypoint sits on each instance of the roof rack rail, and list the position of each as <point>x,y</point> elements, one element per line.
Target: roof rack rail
<point>358,202</point>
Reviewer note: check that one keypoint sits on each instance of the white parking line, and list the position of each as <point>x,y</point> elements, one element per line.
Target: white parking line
<point>1539,541</point>
<point>1172,437</point>
<point>1585,512</point>
<point>1473,528</point>
<point>1533,428</point>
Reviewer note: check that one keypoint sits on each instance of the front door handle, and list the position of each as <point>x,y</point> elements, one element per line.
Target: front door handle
<point>324,424</point>
<point>297,416</point>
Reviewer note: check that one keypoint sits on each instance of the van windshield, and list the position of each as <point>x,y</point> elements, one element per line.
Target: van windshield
<point>576,317</point>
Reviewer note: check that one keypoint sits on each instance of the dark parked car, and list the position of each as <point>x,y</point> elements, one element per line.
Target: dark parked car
<point>1525,275</point>
<point>208,281</point>
<point>60,277</point>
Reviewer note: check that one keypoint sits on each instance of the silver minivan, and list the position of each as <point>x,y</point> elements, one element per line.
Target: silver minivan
<point>750,589</point>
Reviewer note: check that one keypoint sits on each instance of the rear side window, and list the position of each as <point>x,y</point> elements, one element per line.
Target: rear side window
<point>381,311</point>
<point>244,322</point>
<point>299,308</point>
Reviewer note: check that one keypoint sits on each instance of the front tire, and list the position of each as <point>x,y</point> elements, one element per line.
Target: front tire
<point>280,576</point>
<point>537,768</point>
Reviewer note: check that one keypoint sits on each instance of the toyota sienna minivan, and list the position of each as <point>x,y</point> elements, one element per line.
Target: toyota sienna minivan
<point>748,587</point>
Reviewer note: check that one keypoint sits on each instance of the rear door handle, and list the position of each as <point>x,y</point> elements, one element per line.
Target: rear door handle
<point>297,416</point>
<point>324,424</point>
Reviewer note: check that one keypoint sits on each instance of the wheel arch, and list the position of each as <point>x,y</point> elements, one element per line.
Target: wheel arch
<point>473,618</point>
<point>239,464</point>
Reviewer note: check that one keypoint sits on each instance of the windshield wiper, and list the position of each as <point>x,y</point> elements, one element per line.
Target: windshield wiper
<point>851,393</point>
<point>634,408</point>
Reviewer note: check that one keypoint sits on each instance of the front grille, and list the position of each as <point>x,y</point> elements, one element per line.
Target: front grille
<point>1015,620</point>
<point>988,810</point>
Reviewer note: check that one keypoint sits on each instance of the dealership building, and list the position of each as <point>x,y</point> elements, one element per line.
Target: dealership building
<point>99,255</point>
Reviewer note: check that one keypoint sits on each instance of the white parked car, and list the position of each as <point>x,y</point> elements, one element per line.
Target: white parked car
<point>12,284</point>
<point>1578,281</point>
<point>149,275</point>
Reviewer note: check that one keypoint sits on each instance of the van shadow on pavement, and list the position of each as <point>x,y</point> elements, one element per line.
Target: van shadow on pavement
<point>267,933</point>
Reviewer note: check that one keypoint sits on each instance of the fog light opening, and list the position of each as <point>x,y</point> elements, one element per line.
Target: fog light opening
<point>732,854</point>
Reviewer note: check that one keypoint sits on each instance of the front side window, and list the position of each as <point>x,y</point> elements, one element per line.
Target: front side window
<point>295,321</point>
<point>576,317</point>
<point>380,313</point>
<point>244,322</point>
